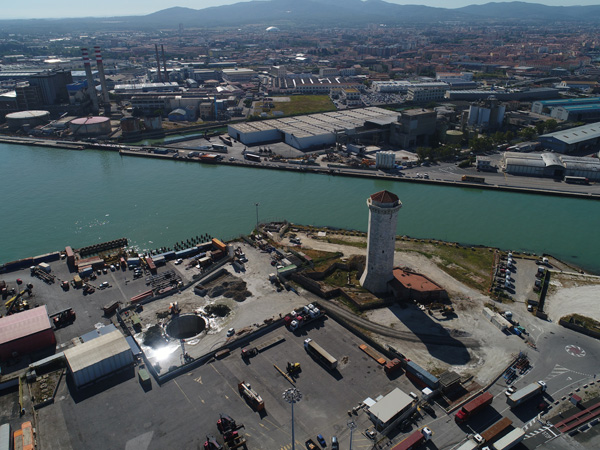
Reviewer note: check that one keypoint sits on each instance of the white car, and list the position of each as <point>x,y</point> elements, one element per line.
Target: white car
<point>230,332</point>
<point>179,261</point>
<point>511,390</point>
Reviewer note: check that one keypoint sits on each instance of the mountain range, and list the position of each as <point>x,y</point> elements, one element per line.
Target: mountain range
<point>334,13</point>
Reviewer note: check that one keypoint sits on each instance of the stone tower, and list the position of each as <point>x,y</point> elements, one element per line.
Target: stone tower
<point>383,216</point>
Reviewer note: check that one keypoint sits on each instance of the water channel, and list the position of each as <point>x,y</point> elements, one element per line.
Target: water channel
<point>54,197</point>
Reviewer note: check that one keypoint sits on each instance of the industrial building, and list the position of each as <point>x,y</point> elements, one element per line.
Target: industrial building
<point>545,107</point>
<point>486,115</point>
<point>238,74</point>
<point>305,132</point>
<point>551,165</point>
<point>520,95</point>
<point>98,358</point>
<point>586,137</point>
<point>386,410</point>
<point>414,127</point>
<point>25,332</point>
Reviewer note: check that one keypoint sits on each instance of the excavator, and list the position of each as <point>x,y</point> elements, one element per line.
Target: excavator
<point>17,302</point>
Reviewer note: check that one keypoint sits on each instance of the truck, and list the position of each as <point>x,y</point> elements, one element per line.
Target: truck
<point>320,354</point>
<point>472,179</point>
<point>252,157</point>
<point>301,317</point>
<point>469,445</point>
<point>63,318</point>
<point>248,352</point>
<point>526,393</point>
<point>496,429</point>
<point>468,409</point>
<point>510,440</point>
<point>251,396</point>
<point>414,440</point>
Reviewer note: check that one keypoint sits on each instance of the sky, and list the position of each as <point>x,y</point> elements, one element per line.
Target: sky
<point>35,9</point>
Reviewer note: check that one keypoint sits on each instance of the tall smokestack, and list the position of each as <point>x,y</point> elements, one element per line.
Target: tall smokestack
<point>162,48</point>
<point>158,63</point>
<point>90,81</point>
<point>100,65</point>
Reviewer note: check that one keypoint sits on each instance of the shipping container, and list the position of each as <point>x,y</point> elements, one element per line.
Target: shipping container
<point>186,253</point>
<point>18,439</point>
<point>468,409</point>
<point>133,262</point>
<point>510,440</point>
<point>218,244</point>
<point>159,260</point>
<point>86,271</point>
<point>28,441</point>
<point>77,281</point>
<point>205,246</point>
<point>151,265</point>
<point>5,437</point>
<point>496,429</point>
<point>45,267</point>
<point>417,373</point>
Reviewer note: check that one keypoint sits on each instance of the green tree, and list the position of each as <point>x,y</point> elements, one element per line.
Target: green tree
<point>481,144</point>
<point>540,126</point>
<point>551,125</point>
<point>527,133</point>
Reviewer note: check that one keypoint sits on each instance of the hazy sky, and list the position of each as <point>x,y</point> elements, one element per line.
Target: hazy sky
<point>68,8</point>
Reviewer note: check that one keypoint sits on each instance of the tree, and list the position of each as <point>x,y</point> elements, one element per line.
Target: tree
<point>551,125</point>
<point>540,126</point>
<point>481,144</point>
<point>527,133</point>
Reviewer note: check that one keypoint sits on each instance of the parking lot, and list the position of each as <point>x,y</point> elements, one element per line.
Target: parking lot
<point>180,413</point>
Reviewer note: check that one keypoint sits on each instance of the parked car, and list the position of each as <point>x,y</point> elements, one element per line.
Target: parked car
<point>310,445</point>
<point>511,390</point>
<point>335,445</point>
<point>321,440</point>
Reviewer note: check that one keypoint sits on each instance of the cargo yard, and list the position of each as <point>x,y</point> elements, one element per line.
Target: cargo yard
<point>218,331</point>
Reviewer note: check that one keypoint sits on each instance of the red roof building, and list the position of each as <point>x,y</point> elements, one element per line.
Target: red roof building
<point>414,286</point>
<point>25,332</point>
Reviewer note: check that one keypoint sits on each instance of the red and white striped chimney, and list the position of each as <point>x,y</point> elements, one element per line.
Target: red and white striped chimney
<point>90,80</point>
<point>100,65</point>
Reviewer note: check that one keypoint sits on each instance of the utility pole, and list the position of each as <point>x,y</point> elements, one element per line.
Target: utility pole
<point>293,395</point>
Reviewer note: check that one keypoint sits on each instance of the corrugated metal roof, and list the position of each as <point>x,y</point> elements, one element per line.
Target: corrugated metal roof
<point>575,135</point>
<point>525,162</point>
<point>24,324</point>
<point>96,350</point>
<point>390,405</point>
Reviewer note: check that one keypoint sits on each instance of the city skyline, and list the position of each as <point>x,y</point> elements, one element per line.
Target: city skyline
<point>40,9</point>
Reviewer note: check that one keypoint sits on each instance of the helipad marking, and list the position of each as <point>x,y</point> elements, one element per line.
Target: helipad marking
<point>575,350</point>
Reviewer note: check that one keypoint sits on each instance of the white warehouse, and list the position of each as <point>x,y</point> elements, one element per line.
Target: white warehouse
<point>305,132</point>
<point>98,358</point>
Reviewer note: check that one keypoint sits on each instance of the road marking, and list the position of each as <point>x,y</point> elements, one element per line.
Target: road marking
<point>184,394</point>
<point>575,350</point>
<point>557,371</point>
<point>544,430</point>
<point>198,380</point>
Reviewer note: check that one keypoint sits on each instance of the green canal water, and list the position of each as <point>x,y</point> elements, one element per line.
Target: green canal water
<point>52,198</point>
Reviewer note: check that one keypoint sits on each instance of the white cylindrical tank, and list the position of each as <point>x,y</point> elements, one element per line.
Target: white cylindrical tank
<point>33,118</point>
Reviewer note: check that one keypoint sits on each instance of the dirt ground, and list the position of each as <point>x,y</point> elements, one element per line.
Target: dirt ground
<point>485,361</point>
<point>573,294</point>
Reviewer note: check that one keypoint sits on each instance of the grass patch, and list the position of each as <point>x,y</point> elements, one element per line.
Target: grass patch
<point>321,259</point>
<point>583,321</point>
<point>469,265</point>
<point>348,243</point>
<point>301,104</point>
<point>339,278</point>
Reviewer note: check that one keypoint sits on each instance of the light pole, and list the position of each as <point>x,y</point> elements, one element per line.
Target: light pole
<point>256,204</point>
<point>352,426</point>
<point>292,395</point>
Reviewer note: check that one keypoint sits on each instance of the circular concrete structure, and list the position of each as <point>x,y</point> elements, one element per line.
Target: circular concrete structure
<point>186,326</point>
<point>90,126</point>
<point>454,136</point>
<point>32,118</point>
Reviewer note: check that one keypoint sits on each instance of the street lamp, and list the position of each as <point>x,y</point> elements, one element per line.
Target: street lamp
<point>352,426</point>
<point>256,204</point>
<point>292,395</point>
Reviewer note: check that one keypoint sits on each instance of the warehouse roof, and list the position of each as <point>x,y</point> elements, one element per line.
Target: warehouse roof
<point>569,101</point>
<point>575,135</point>
<point>24,324</point>
<point>390,405</point>
<point>96,350</point>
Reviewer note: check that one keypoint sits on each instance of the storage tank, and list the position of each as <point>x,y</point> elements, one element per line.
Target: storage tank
<point>90,126</point>
<point>33,118</point>
<point>153,123</point>
<point>130,125</point>
<point>454,136</point>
